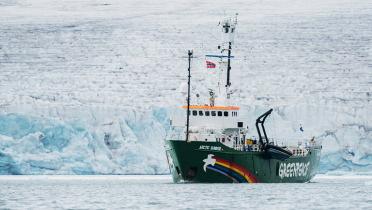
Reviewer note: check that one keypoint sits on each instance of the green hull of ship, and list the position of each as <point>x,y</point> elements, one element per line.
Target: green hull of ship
<point>188,163</point>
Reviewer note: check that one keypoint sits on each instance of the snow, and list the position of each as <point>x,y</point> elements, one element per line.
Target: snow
<point>73,72</point>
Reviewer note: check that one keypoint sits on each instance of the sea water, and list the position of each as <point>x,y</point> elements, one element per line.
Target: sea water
<point>158,192</point>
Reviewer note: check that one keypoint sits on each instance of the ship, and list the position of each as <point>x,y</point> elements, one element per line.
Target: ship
<point>210,142</point>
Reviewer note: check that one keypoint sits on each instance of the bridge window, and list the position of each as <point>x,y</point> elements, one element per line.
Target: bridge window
<point>225,113</point>
<point>206,113</point>
<point>201,113</point>
<point>213,113</point>
<point>219,113</point>
<point>194,112</point>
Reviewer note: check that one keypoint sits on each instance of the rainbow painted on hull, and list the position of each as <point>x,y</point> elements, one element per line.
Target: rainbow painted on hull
<point>232,170</point>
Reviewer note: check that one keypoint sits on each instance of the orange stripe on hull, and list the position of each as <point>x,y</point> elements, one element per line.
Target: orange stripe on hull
<point>213,107</point>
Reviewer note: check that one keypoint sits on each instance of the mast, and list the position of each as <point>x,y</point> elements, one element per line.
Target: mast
<point>228,28</point>
<point>228,83</point>
<point>188,97</point>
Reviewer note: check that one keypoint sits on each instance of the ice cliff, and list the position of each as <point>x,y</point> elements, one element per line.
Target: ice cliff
<point>132,143</point>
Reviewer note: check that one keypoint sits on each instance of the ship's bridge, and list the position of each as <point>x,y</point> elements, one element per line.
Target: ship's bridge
<point>217,117</point>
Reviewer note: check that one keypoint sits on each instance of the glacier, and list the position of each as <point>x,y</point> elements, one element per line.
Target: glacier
<point>133,143</point>
<point>128,145</point>
<point>88,87</point>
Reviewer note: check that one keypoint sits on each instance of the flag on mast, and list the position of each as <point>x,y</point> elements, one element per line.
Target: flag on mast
<point>210,65</point>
